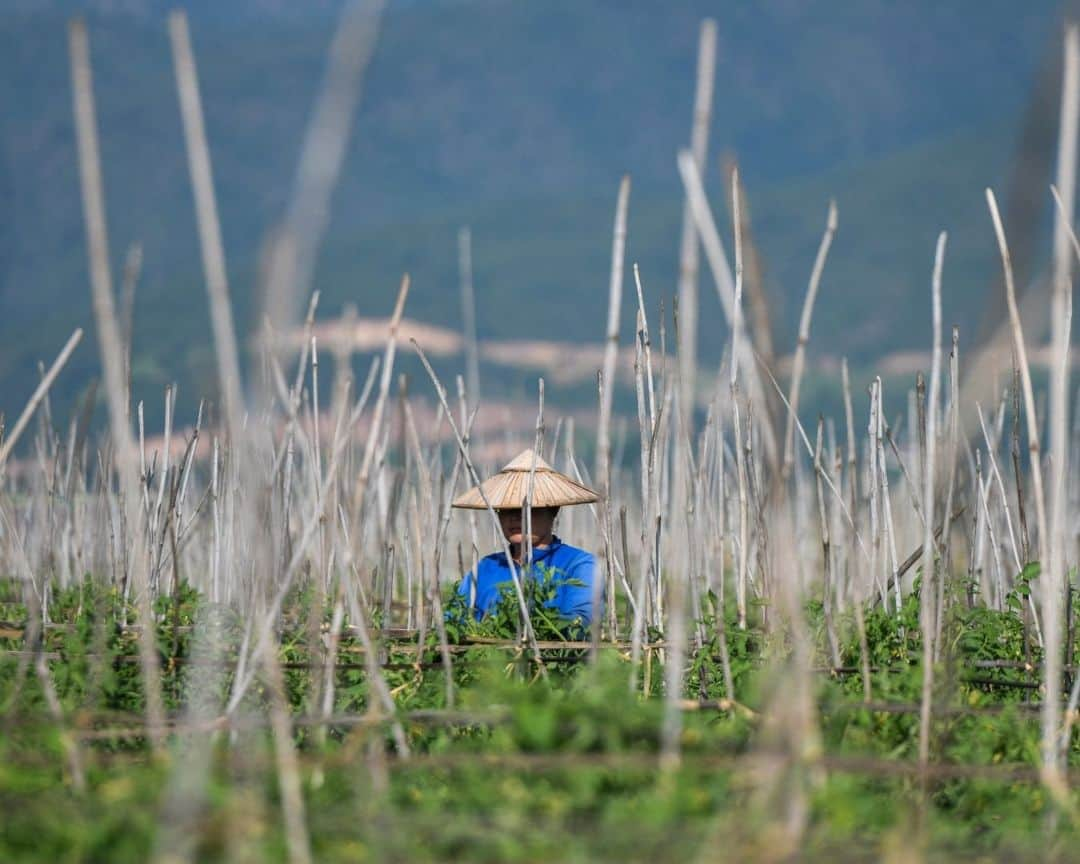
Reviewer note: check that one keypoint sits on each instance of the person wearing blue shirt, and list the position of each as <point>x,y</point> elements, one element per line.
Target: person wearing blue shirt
<point>572,571</point>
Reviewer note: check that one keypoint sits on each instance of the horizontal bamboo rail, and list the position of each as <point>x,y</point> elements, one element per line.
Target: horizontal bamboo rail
<point>128,725</point>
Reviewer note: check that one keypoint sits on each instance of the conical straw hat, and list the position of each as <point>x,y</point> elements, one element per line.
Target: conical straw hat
<point>508,489</point>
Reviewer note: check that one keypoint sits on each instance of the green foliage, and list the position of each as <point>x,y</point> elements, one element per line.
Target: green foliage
<point>539,586</point>
<point>745,649</point>
<point>561,766</point>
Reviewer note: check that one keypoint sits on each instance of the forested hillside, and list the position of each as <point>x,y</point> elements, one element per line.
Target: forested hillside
<point>517,118</point>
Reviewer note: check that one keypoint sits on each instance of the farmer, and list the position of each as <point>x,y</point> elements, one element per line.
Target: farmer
<point>573,570</point>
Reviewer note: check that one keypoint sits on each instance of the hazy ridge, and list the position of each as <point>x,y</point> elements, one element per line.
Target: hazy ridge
<point>517,118</point>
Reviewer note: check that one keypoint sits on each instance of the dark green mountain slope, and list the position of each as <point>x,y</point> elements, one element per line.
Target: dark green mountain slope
<point>518,118</point>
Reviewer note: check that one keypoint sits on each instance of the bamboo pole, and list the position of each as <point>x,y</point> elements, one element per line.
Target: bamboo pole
<point>643,599</point>
<point>206,212</point>
<point>111,348</point>
<point>293,246</point>
<point>757,303</point>
<point>874,471</point>
<point>1060,502</point>
<point>927,614</point>
<point>725,286</point>
<point>364,476</point>
<point>826,550</point>
<point>8,442</point>
<point>1025,377</point>
<point>526,507</point>
<point>741,468</point>
<point>611,345</point>
<point>804,334</point>
<point>288,766</point>
<point>688,244</point>
<point>468,318</point>
<point>996,474</point>
<point>1056,567</point>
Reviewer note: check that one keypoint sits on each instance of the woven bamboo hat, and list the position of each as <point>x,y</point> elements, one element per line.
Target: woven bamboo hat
<point>508,489</point>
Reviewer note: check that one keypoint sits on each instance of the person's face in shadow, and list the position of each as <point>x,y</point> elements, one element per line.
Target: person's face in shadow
<point>543,525</point>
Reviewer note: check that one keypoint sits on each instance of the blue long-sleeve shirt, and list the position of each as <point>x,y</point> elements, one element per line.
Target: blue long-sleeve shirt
<point>563,561</point>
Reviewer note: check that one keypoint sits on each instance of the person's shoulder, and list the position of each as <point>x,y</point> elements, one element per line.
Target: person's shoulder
<point>491,569</point>
<point>495,559</point>
<point>575,556</point>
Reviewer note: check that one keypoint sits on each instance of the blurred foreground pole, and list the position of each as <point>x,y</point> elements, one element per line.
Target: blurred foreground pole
<point>1054,573</point>
<point>112,362</point>
<point>293,246</point>
<point>687,315</point>
<point>206,212</point>
<point>717,260</point>
<point>688,245</point>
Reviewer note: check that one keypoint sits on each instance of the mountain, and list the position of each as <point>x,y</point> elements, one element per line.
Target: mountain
<point>517,118</point>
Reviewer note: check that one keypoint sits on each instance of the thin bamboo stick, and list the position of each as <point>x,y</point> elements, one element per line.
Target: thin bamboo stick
<point>611,345</point>
<point>804,334</point>
<point>9,441</point>
<point>826,549</point>
<point>1001,487</point>
<point>849,514</point>
<point>644,600</point>
<point>468,317</point>
<point>886,500</point>
<point>526,509</point>
<point>926,597</point>
<point>364,477</point>
<point>1025,377</point>
<point>757,303</point>
<point>874,485</point>
<point>740,458</point>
